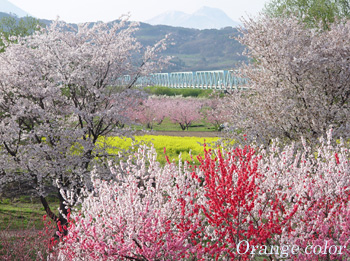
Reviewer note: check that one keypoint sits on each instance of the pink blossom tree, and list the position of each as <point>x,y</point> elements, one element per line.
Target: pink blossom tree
<point>144,215</point>
<point>216,113</point>
<point>316,179</point>
<point>56,100</point>
<point>150,111</point>
<point>184,111</point>
<point>160,107</point>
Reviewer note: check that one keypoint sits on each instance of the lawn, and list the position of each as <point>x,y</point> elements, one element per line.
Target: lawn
<point>167,125</point>
<point>23,212</point>
<point>185,92</point>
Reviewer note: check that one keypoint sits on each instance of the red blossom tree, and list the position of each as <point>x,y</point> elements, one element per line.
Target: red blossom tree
<point>238,208</point>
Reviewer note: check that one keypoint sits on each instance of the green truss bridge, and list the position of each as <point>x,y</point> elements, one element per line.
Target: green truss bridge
<point>219,79</point>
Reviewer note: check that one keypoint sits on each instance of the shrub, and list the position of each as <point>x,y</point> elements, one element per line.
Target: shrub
<point>318,181</point>
<point>144,215</point>
<point>28,243</point>
<point>238,206</point>
<point>266,197</point>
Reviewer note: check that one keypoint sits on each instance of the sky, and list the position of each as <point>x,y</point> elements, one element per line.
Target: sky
<point>78,11</point>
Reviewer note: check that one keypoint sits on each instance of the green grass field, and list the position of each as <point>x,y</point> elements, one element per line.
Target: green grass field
<point>23,212</point>
<point>185,92</point>
<point>167,125</point>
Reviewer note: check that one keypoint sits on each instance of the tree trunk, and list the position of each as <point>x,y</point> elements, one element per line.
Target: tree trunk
<point>61,220</point>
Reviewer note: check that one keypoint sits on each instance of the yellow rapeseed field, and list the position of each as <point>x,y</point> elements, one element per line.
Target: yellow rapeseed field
<point>174,145</point>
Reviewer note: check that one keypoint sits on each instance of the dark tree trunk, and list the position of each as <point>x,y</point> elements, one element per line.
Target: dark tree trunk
<point>61,221</point>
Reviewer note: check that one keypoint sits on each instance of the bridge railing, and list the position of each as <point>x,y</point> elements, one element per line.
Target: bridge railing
<point>219,79</point>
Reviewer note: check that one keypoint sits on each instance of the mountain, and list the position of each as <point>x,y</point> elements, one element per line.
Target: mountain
<point>204,18</point>
<point>194,49</point>
<point>8,7</point>
<point>168,18</point>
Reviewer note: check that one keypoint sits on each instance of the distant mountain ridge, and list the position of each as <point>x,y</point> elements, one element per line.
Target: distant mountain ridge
<point>204,18</point>
<point>194,49</point>
<point>191,49</point>
<point>8,7</point>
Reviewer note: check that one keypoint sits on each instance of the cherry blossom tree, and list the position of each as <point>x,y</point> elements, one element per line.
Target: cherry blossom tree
<point>216,113</point>
<point>298,82</point>
<point>58,96</point>
<point>184,111</point>
<point>150,111</point>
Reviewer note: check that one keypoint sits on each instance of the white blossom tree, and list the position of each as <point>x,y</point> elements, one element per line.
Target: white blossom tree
<point>58,96</point>
<point>299,80</point>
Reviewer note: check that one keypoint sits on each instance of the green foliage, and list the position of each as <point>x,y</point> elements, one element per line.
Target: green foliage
<point>13,26</point>
<point>311,12</point>
<point>197,93</point>
<point>5,201</point>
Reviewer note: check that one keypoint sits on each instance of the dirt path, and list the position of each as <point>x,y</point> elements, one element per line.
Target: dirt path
<point>183,133</point>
